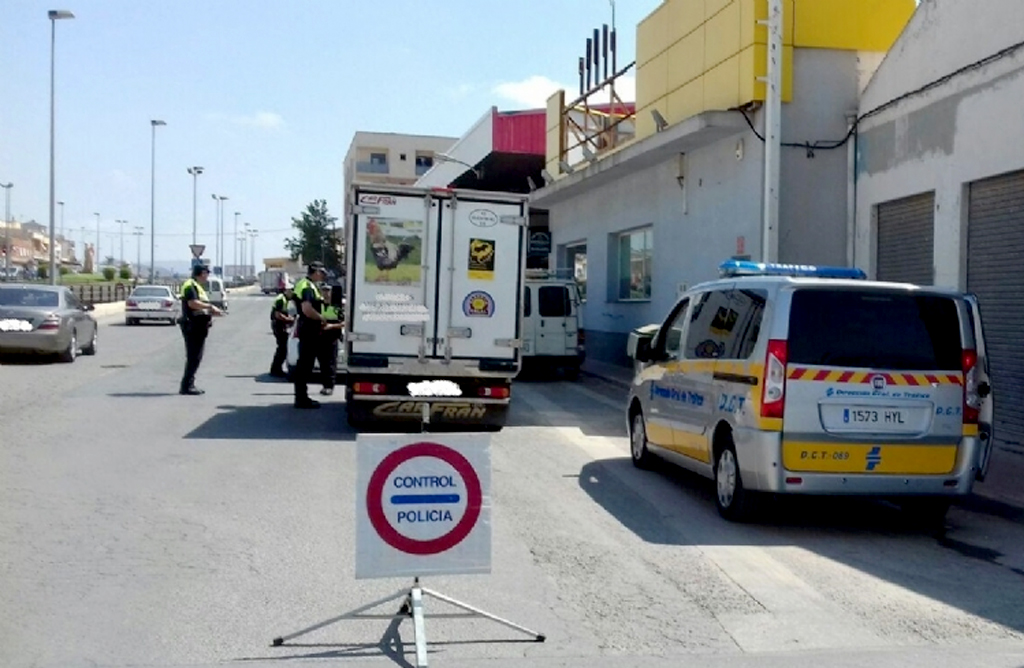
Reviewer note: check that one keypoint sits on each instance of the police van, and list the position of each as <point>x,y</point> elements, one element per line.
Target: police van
<point>553,333</point>
<point>812,380</point>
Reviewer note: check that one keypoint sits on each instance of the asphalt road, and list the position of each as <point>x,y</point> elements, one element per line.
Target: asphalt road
<point>142,528</point>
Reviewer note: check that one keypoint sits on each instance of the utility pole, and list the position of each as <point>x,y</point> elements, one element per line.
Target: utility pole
<point>252,250</point>
<point>138,248</point>
<point>7,229</point>
<point>772,133</point>
<point>96,251</point>
<point>121,224</point>
<point>152,203</point>
<point>195,172</point>
<point>237,214</point>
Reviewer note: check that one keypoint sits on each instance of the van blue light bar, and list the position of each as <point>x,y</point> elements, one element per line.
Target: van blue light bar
<point>733,268</point>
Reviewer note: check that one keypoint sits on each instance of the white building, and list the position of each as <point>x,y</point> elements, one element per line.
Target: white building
<point>940,172</point>
<point>391,158</point>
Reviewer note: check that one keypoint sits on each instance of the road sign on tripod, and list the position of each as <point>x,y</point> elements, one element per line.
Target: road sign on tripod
<point>423,507</point>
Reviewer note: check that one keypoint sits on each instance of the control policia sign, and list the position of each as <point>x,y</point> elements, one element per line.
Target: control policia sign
<point>423,505</point>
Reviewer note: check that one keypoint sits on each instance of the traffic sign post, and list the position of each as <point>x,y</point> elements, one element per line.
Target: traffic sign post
<point>423,507</point>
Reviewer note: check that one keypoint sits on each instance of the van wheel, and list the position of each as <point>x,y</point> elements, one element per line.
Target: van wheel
<point>642,457</point>
<point>572,372</point>
<point>731,498</point>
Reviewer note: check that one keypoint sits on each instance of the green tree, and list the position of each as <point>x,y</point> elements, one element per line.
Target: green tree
<point>315,238</point>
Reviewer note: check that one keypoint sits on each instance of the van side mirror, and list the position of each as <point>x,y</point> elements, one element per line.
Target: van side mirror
<point>639,345</point>
<point>644,353</point>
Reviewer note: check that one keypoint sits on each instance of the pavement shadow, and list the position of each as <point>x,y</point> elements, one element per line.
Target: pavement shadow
<point>277,422</point>
<point>12,359</point>
<point>671,506</point>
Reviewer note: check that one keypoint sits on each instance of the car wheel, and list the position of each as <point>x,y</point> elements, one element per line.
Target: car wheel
<point>642,457</point>
<point>91,348</point>
<point>71,353</point>
<point>730,496</point>
<point>926,512</point>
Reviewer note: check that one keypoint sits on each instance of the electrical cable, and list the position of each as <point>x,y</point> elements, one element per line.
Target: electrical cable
<point>831,144</point>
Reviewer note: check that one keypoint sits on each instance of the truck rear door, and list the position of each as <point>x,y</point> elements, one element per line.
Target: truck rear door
<point>481,261</point>
<point>393,246</point>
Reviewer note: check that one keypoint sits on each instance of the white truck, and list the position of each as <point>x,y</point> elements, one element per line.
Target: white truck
<point>435,290</point>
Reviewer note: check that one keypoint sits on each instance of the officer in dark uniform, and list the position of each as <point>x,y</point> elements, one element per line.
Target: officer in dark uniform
<point>196,319</point>
<point>310,323</point>
<point>329,338</point>
<point>279,321</point>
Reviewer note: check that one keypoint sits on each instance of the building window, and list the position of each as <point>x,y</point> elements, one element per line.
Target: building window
<point>377,164</point>
<point>401,156</point>
<point>635,250</point>
<point>423,163</point>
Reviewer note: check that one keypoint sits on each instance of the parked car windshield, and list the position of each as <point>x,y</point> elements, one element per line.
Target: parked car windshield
<point>874,330</point>
<point>28,297</point>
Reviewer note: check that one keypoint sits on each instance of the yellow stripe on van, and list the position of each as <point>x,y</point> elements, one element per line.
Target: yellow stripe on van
<point>808,457</point>
<point>970,430</point>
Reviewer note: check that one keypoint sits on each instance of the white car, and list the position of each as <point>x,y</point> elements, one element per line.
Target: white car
<point>217,292</point>
<point>151,302</point>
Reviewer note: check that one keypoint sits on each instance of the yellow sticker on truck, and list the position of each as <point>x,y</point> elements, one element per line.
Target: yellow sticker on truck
<point>805,457</point>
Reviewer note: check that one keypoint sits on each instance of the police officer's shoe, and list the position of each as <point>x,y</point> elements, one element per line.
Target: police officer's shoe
<point>192,391</point>
<point>327,391</point>
<point>307,403</point>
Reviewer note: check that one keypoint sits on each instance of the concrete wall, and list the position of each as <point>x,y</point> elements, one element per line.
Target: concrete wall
<point>965,130</point>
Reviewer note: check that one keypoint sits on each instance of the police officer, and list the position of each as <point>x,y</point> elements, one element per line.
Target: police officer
<point>329,338</point>
<point>196,319</point>
<point>310,323</point>
<point>279,321</point>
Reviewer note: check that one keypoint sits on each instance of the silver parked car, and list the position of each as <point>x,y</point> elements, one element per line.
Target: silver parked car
<point>45,319</point>
<point>151,302</point>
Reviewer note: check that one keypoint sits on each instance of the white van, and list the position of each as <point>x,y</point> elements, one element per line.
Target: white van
<point>813,380</point>
<point>217,292</point>
<point>553,334</point>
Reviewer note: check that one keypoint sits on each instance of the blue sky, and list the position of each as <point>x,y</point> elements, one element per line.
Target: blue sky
<point>264,95</point>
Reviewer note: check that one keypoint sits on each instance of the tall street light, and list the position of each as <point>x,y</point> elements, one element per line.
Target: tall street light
<point>61,218</point>
<point>96,251</point>
<point>7,229</point>
<point>245,247</point>
<point>195,172</point>
<point>138,248</point>
<point>55,15</point>
<point>218,258</point>
<point>237,214</point>
<point>121,223</point>
<point>152,202</point>
<point>252,249</point>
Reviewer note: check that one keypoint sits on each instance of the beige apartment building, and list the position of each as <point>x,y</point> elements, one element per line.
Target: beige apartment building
<point>391,158</point>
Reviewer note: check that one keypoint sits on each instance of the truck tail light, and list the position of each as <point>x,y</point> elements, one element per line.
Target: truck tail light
<point>51,322</point>
<point>773,397</point>
<point>972,400</point>
<point>494,392</point>
<point>581,338</point>
<point>369,388</point>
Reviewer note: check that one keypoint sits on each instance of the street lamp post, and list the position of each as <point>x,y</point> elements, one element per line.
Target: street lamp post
<point>219,255</point>
<point>138,248</point>
<point>152,203</point>
<point>96,251</point>
<point>61,218</point>
<point>7,229</point>
<point>195,172</point>
<point>121,223</point>
<point>55,15</point>
<point>235,252</point>
<point>252,250</point>
<point>245,247</point>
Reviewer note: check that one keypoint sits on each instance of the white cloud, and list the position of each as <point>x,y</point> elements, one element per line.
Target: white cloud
<point>534,91</point>
<point>263,120</point>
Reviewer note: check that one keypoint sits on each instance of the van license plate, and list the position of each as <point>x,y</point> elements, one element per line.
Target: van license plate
<point>875,419</point>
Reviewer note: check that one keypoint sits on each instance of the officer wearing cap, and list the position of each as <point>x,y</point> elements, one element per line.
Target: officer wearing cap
<point>195,321</point>
<point>279,321</point>
<point>329,338</point>
<point>310,323</point>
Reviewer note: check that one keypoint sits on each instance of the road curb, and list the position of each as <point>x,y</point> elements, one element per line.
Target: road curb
<point>108,310</point>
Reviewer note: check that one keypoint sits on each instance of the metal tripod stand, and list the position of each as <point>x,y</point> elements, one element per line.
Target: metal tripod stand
<point>412,606</point>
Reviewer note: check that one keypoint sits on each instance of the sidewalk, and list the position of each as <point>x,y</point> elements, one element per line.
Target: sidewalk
<point>1002,493</point>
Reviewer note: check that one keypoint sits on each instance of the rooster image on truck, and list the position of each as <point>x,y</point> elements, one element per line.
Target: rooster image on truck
<point>433,315</point>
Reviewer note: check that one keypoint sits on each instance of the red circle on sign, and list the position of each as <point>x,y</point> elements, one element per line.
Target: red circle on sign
<point>375,499</point>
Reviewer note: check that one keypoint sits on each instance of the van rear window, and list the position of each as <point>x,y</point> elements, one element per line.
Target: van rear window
<point>874,330</point>
<point>553,301</point>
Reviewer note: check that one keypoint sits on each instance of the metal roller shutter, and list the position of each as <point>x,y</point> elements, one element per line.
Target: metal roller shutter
<point>906,240</point>
<point>995,247</point>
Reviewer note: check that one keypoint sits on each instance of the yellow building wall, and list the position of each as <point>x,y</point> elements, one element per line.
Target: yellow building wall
<point>700,55</point>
